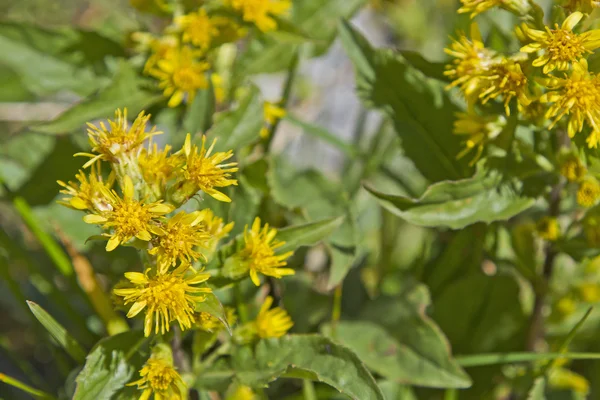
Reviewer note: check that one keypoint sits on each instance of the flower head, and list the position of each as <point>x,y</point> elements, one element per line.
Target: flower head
<point>88,194</point>
<point>215,227</point>
<point>180,75</point>
<point>585,6</point>
<point>159,47</point>
<point>261,12</point>
<point>572,168</point>
<point>177,239</point>
<point>158,166</point>
<point>166,298</point>
<point>206,171</point>
<point>588,192</point>
<point>159,377</point>
<point>240,392</point>
<point>198,29</point>
<point>475,7</point>
<point>548,228</point>
<point>478,131</point>
<point>472,61</point>
<point>589,292</point>
<point>271,114</point>
<point>561,46</point>
<point>127,217</point>
<point>259,254</point>
<point>506,80</point>
<point>210,323</point>
<point>578,96</point>
<point>272,322</point>
<point>119,142</point>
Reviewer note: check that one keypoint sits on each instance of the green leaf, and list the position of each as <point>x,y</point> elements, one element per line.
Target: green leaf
<point>498,323</point>
<point>307,234</point>
<point>386,81</point>
<point>430,69</point>
<point>324,135</point>
<point>107,368</point>
<point>42,72</point>
<point>241,126</point>
<point>125,91</point>
<point>456,204</point>
<point>538,389</point>
<point>322,359</point>
<point>58,332</point>
<point>198,117</point>
<point>213,306</point>
<point>17,161</point>
<point>383,354</point>
<point>405,320</point>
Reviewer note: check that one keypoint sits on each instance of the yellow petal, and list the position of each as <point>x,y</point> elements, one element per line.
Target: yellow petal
<point>136,308</point>
<point>112,244</point>
<point>94,219</point>
<point>218,195</point>
<point>78,203</point>
<point>572,20</point>
<point>128,190</point>
<point>161,208</point>
<point>254,277</point>
<point>187,146</point>
<point>136,278</point>
<point>143,235</point>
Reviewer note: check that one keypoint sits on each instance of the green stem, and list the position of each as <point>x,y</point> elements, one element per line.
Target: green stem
<point>336,313</point>
<point>241,306</point>
<point>308,389</point>
<point>26,388</point>
<point>285,98</point>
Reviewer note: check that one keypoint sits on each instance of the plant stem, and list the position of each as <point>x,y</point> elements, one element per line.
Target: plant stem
<point>536,324</point>
<point>336,313</point>
<point>241,306</point>
<point>26,388</point>
<point>308,389</point>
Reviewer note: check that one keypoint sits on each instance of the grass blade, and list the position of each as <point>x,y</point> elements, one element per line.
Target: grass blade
<point>58,332</point>
<point>26,388</point>
<point>478,360</point>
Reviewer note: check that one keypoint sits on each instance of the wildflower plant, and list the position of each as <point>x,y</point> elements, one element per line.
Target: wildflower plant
<point>442,243</point>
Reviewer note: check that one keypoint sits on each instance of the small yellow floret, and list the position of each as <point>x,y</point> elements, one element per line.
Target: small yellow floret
<point>159,377</point>
<point>588,192</point>
<point>166,298</point>
<point>259,255</point>
<point>261,12</point>
<point>475,7</point>
<point>548,228</point>
<point>272,322</point>
<point>271,114</point>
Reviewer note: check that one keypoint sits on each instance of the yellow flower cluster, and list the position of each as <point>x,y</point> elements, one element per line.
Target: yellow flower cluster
<point>180,59</point>
<point>136,204</point>
<point>549,77</point>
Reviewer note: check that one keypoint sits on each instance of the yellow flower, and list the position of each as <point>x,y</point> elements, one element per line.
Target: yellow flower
<point>158,166</point>
<point>127,217</point>
<point>177,239</point>
<point>215,227</point>
<point>478,129</point>
<point>217,83</point>
<point>548,228</point>
<point>272,323</point>
<point>585,6</point>
<point>475,7</point>
<point>472,61</point>
<point>258,253</point>
<point>561,45</point>
<point>159,48</point>
<point>89,193</point>
<point>562,378</point>
<point>159,377</point>
<point>588,192</point>
<point>180,75</point>
<point>589,292</point>
<point>121,143</point>
<point>261,12</point>
<point>210,323</point>
<point>565,306</point>
<point>271,114</point>
<point>205,171</point>
<point>198,29</point>
<point>166,298</point>
<point>240,392</point>
<point>577,96</point>
<point>507,80</point>
<point>572,168</point>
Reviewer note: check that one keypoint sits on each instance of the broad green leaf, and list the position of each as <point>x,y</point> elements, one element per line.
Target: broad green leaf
<point>386,81</point>
<point>498,323</point>
<point>395,391</point>
<point>384,355</point>
<point>240,126</point>
<point>244,206</point>
<point>405,320</point>
<point>317,357</point>
<point>17,160</point>
<point>456,204</point>
<point>213,306</point>
<point>107,368</point>
<point>58,332</point>
<point>307,234</point>
<point>198,117</point>
<point>41,72</point>
<point>125,91</point>
<point>341,260</point>
<point>13,90</point>
<point>538,389</point>
<point>430,69</point>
